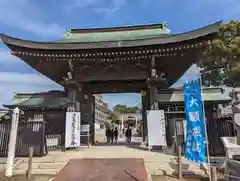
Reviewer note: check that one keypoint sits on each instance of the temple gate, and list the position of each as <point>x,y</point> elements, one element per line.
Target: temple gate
<point>130,59</point>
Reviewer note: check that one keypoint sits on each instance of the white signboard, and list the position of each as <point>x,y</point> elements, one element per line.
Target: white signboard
<point>85,128</point>
<point>72,133</point>
<point>156,128</point>
<point>52,141</point>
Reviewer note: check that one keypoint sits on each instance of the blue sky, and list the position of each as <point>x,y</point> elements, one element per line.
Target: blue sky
<point>48,20</point>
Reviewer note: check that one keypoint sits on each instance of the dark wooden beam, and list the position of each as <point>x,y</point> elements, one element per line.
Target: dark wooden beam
<point>115,87</point>
<point>111,76</point>
<point>113,55</point>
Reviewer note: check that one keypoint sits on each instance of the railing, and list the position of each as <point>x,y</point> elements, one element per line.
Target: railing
<point>54,142</point>
<point>28,132</point>
<point>216,129</point>
<point>55,134</point>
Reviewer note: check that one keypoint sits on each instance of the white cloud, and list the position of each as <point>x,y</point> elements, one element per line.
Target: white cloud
<point>80,3</point>
<point>12,82</point>
<point>99,6</point>
<point>227,8</point>
<point>25,79</point>
<point>23,15</point>
<point>116,6</point>
<point>6,57</point>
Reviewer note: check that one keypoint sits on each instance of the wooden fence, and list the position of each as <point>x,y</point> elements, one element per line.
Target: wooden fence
<point>28,132</point>
<point>216,129</point>
<point>55,135</point>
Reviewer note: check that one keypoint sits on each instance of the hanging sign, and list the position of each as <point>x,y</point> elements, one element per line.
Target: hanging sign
<point>195,136</point>
<point>73,129</point>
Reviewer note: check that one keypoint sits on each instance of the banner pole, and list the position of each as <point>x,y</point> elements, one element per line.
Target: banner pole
<point>205,125</point>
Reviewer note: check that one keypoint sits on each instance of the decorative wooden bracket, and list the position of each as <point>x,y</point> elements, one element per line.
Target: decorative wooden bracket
<point>111,67</point>
<point>86,67</point>
<point>139,65</point>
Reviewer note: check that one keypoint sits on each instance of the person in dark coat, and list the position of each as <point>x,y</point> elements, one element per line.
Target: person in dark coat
<point>128,134</point>
<point>108,134</point>
<point>112,134</point>
<point>116,134</point>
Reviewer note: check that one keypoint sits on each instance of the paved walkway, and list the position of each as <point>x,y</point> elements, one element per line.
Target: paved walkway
<point>120,169</point>
<point>156,163</point>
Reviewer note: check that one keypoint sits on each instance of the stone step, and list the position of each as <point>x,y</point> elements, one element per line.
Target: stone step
<point>40,160</point>
<point>24,165</point>
<point>51,165</point>
<point>48,160</point>
<point>38,171</point>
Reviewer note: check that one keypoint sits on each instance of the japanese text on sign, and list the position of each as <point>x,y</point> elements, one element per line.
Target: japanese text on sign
<point>194,116</point>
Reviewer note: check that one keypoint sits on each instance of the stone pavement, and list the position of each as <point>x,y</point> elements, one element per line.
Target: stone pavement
<point>163,178</point>
<point>157,163</point>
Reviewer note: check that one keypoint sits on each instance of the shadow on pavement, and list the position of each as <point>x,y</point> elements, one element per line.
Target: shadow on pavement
<point>138,146</point>
<point>130,145</point>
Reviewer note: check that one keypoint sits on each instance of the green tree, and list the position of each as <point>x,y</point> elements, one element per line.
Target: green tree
<point>113,116</point>
<point>124,109</point>
<point>221,61</point>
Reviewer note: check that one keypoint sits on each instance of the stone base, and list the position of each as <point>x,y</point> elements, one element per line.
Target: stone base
<point>232,170</point>
<point>157,148</point>
<point>230,144</point>
<point>84,140</point>
<point>236,157</point>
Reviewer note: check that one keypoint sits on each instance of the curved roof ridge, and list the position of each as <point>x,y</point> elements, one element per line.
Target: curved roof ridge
<point>169,38</point>
<point>119,28</point>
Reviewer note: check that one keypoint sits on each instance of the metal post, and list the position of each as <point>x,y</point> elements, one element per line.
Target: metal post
<point>122,122</point>
<point>205,125</point>
<point>179,162</point>
<point>213,173</point>
<point>88,135</point>
<point>136,122</point>
<point>29,170</point>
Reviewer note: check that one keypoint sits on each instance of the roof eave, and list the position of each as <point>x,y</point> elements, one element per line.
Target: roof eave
<point>174,38</point>
<point>34,107</point>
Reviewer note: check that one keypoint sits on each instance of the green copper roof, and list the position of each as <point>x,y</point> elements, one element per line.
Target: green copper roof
<point>113,35</point>
<point>39,101</point>
<point>209,95</point>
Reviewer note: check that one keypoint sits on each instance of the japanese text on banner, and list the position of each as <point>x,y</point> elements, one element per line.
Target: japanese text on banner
<point>195,138</point>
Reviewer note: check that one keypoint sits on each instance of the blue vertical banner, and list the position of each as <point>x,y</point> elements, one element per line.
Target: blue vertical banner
<point>196,135</point>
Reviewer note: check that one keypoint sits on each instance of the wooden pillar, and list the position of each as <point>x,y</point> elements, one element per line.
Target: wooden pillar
<point>153,97</point>
<point>72,96</point>
<point>145,107</point>
<point>152,85</point>
<point>87,109</point>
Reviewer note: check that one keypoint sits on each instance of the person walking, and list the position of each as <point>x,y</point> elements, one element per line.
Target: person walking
<point>108,134</point>
<point>112,133</point>
<point>129,134</point>
<point>116,134</point>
